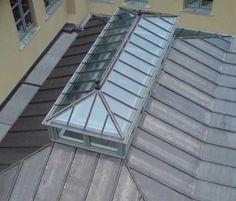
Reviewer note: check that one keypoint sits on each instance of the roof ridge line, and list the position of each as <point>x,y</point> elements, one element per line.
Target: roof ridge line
<point>135,182</point>
<point>110,113</point>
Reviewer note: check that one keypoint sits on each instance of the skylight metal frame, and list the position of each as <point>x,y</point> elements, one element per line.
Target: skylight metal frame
<point>80,67</point>
<point>153,77</point>
<point>142,91</point>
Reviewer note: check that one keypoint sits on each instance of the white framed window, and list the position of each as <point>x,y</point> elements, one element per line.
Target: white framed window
<point>141,1</point>
<point>23,16</point>
<point>138,3</point>
<point>199,4</point>
<point>49,3</point>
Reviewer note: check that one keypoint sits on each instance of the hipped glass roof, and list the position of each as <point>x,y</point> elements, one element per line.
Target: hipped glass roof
<point>107,93</point>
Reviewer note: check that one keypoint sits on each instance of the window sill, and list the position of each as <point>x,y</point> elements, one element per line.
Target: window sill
<point>137,4</point>
<point>197,11</point>
<point>28,37</point>
<point>103,1</point>
<point>52,9</point>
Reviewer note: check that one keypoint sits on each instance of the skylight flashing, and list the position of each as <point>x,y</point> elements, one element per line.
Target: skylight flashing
<point>120,93</point>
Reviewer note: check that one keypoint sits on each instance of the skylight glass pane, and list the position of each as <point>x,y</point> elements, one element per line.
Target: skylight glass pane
<point>136,63</point>
<point>87,76</point>
<point>63,117</point>
<point>110,47</point>
<point>160,22</point>
<point>153,28</point>
<point>115,37</point>
<point>81,112</point>
<point>96,66</point>
<point>112,32</point>
<point>124,125</point>
<point>150,36</point>
<point>70,98</point>
<point>132,73</point>
<point>141,53</point>
<point>171,20</point>
<point>121,95</point>
<point>95,57</point>
<point>121,22</point>
<point>109,128</point>
<point>126,83</point>
<point>73,135</point>
<point>79,87</point>
<point>103,144</point>
<point>98,116</point>
<point>146,44</point>
<point>120,109</point>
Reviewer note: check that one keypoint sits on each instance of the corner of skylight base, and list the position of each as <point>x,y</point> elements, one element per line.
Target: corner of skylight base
<point>121,153</point>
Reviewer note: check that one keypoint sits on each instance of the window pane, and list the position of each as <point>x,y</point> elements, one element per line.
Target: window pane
<point>87,76</point>
<point>70,134</point>
<point>124,125</point>
<point>80,87</point>
<point>207,4</point>
<point>146,44</point>
<point>126,83</point>
<point>102,48</point>
<point>28,20</point>
<point>160,22</point>
<point>20,29</point>
<point>16,13</point>
<point>145,1</point>
<point>97,57</point>
<point>192,3</point>
<point>132,73</point>
<point>69,98</point>
<point>22,15</point>
<point>120,109</point>
<point>48,3</point>
<point>94,66</point>
<point>136,63</point>
<point>103,144</point>
<point>109,128</point>
<point>121,95</point>
<point>141,53</point>
<point>98,116</point>
<point>63,118</point>
<point>153,28</point>
<point>149,36</point>
<point>81,112</point>
<point>25,5</point>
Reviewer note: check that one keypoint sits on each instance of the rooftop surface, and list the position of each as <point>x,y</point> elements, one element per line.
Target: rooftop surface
<point>184,147</point>
<point>27,133</point>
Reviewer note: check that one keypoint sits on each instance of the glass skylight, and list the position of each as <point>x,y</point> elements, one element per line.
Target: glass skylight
<point>106,95</point>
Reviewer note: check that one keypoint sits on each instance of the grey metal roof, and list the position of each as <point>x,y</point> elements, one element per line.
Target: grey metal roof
<point>184,148</point>
<point>28,134</point>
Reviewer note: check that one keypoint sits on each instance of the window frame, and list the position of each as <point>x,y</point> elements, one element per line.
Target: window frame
<point>200,7</point>
<point>137,3</point>
<point>22,18</point>
<point>51,3</point>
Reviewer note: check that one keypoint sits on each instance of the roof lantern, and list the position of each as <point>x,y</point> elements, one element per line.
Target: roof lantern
<point>101,105</point>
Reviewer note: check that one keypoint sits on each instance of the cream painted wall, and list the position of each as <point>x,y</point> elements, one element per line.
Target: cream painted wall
<point>222,18</point>
<point>14,62</point>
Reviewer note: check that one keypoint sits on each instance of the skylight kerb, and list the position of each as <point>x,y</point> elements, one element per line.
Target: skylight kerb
<point>109,114</point>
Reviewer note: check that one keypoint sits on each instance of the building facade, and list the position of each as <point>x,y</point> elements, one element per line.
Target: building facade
<point>28,26</point>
